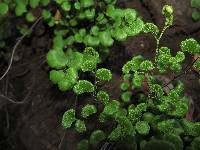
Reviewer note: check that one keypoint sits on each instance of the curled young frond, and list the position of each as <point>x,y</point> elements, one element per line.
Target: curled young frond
<point>167,11</point>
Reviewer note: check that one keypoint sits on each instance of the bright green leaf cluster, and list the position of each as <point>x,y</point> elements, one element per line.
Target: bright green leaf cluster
<point>74,61</point>
<point>132,65</point>
<point>191,46</point>
<point>65,80</point>
<point>124,129</point>
<point>165,60</point>
<point>173,104</point>
<point>135,112</point>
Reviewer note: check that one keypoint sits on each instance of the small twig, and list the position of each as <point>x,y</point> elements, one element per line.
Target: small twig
<point>16,45</point>
<point>6,108</point>
<point>7,118</point>
<point>19,102</point>
<point>60,145</point>
<point>106,146</point>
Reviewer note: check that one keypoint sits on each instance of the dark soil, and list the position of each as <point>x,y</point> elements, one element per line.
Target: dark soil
<point>35,124</point>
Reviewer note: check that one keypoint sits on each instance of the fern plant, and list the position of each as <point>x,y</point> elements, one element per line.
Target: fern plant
<point>165,112</point>
<point>156,120</point>
<point>83,31</point>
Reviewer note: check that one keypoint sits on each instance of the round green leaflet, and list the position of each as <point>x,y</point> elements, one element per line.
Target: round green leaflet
<point>104,74</point>
<point>30,17</point>
<point>142,127</point>
<point>3,8</point>
<point>88,110</point>
<point>68,118</point>
<point>83,86</point>
<point>103,97</point>
<point>96,137</point>
<point>80,126</point>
